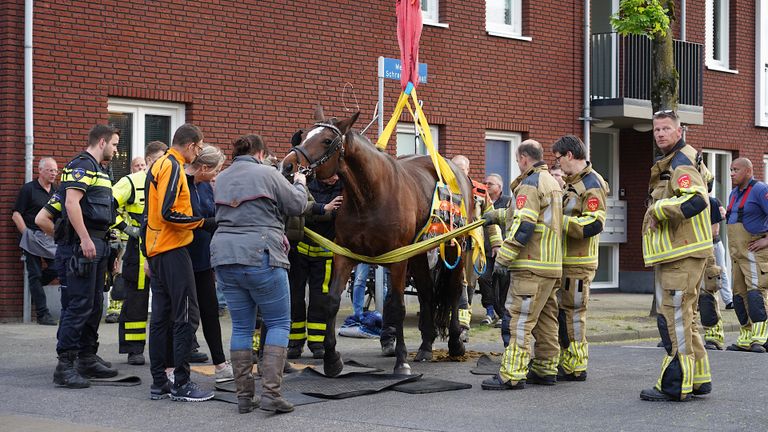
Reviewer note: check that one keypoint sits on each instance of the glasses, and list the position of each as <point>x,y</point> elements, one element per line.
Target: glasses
<point>50,170</point>
<point>665,113</point>
<point>489,184</point>
<point>557,159</point>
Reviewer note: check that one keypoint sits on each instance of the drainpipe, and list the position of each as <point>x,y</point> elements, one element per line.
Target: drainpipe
<point>29,139</point>
<point>682,20</point>
<point>587,76</point>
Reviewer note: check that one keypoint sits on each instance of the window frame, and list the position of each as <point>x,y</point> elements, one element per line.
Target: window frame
<point>514,30</point>
<point>761,64</point>
<point>723,43</point>
<point>514,139</point>
<point>613,182</point>
<point>141,108</point>
<point>614,282</point>
<point>431,16</point>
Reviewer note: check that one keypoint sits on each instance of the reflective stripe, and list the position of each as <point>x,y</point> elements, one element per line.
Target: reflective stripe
<point>316,338</point>
<point>701,371</point>
<point>525,309</point>
<point>298,325</point>
<point>313,251</point>
<point>753,271</point>
<point>135,336</point>
<point>577,296</point>
<point>677,302</point>
<point>297,336</point>
<point>327,279</point>
<point>657,257</point>
<point>135,325</point>
<point>316,326</point>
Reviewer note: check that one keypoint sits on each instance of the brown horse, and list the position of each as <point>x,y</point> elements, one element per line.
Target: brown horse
<point>386,202</point>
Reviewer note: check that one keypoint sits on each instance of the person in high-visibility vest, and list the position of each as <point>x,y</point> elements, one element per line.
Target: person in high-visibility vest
<point>677,240</point>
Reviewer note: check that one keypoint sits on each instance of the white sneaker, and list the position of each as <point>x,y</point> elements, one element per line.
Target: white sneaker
<point>225,374</point>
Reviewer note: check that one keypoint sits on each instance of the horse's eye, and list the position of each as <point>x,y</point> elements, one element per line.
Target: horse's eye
<point>328,142</point>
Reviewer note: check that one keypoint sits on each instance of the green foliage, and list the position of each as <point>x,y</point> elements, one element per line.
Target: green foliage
<point>641,17</point>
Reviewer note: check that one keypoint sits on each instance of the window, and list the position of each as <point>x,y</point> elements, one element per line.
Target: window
<point>430,11</point>
<point>761,64</point>
<point>504,18</point>
<point>141,122</point>
<point>718,31</point>
<point>607,274</point>
<point>500,148</point>
<point>604,155</point>
<point>409,142</point>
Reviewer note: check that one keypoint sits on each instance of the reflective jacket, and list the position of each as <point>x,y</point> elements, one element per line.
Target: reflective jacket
<point>679,203</point>
<point>533,240</point>
<point>128,193</point>
<point>584,217</point>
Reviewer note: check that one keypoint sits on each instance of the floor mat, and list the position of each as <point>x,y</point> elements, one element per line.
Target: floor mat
<point>292,397</point>
<point>350,366</point>
<point>313,383</point>
<point>486,366</point>
<point>430,385</point>
<point>121,380</point>
<point>209,370</point>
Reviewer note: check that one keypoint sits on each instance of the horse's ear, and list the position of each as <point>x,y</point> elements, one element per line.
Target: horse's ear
<point>296,138</point>
<point>346,124</point>
<point>319,114</point>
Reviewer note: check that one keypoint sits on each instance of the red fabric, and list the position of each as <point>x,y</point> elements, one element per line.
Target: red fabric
<point>408,35</point>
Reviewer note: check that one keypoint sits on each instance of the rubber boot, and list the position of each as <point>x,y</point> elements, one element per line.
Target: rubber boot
<point>89,366</point>
<point>272,379</point>
<point>242,366</point>
<point>66,375</point>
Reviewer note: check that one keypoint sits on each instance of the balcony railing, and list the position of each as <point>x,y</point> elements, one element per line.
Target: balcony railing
<point>621,68</point>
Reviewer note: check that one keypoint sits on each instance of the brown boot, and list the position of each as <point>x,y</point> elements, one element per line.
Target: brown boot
<point>242,366</point>
<point>272,378</point>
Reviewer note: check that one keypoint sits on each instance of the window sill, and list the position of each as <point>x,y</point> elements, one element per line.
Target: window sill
<point>719,68</point>
<point>435,24</point>
<point>508,35</point>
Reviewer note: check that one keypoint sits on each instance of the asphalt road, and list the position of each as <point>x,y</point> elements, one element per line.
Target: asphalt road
<point>608,400</point>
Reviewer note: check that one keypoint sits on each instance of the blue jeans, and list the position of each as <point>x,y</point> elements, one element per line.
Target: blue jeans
<point>725,291</point>
<point>358,288</point>
<point>249,287</point>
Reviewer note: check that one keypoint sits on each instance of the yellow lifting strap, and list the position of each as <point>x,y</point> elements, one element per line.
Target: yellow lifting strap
<point>397,255</point>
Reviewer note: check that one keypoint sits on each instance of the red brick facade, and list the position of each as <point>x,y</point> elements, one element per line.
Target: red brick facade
<point>259,66</point>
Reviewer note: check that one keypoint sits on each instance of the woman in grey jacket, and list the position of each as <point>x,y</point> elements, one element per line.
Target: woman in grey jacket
<point>249,253</point>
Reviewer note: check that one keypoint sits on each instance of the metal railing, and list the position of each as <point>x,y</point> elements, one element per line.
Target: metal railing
<point>621,68</point>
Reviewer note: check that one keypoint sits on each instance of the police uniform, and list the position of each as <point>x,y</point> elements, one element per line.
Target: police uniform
<point>747,221</point>
<point>312,264</point>
<point>583,221</point>
<point>79,324</point>
<point>678,248</point>
<point>129,198</point>
<point>532,251</point>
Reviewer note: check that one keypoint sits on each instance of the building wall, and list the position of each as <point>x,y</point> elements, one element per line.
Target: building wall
<point>260,66</point>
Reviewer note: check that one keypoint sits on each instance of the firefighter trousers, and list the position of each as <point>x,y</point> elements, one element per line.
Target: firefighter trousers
<point>311,265</point>
<point>573,298</point>
<point>686,364</point>
<point>750,283</point>
<point>132,332</point>
<point>532,307</point>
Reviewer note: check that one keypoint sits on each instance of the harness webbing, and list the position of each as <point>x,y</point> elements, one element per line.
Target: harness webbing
<point>740,210</point>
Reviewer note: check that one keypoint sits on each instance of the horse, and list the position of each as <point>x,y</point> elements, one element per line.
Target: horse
<point>387,201</point>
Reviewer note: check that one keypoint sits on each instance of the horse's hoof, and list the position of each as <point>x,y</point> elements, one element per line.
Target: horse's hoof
<point>456,350</point>
<point>333,367</point>
<point>423,356</point>
<point>388,350</point>
<point>403,369</point>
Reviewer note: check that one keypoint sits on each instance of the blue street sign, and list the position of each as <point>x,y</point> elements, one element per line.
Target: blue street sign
<point>390,68</point>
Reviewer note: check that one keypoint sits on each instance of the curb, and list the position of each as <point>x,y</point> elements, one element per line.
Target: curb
<point>644,334</point>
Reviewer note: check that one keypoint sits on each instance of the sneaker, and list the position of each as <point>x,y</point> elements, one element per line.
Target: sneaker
<point>46,319</point>
<point>160,392</point>
<point>136,359</point>
<point>112,318</point>
<point>224,374</point>
<point>190,392</point>
<point>198,357</point>
<point>495,383</point>
<point>488,320</point>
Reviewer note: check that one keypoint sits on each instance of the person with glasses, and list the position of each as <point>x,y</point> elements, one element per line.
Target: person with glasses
<point>167,230</point>
<point>584,215</point>
<point>677,240</point>
<point>36,246</point>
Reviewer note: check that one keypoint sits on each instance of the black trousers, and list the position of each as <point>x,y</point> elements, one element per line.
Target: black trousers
<point>132,332</point>
<point>79,323</point>
<point>309,322</point>
<point>175,313</point>
<point>37,277</point>
<point>485,281</point>
<point>205,282</point>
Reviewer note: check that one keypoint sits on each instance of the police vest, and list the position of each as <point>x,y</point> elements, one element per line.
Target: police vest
<point>584,218</point>
<point>85,174</point>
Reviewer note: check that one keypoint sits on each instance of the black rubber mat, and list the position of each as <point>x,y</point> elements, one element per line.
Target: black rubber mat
<point>350,366</point>
<point>486,366</point>
<point>121,380</point>
<point>430,385</point>
<point>292,397</point>
<point>312,383</point>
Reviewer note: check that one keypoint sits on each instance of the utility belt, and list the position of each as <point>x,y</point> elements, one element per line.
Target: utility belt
<point>98,234</point>
<point>313,251</point>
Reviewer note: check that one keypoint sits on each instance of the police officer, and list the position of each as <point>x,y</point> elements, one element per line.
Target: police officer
<point>128,193</point>
<point>677,239</point>
<point>532,252</point>
<point>747,223</point>
<point>312,264</point>
<point>86,217</point>
<point>584,218</point>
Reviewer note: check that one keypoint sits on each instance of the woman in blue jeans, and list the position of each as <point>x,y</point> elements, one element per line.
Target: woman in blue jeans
<point>249,253</point>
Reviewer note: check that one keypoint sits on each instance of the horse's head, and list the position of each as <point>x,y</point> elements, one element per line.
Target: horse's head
<point>319,150</point>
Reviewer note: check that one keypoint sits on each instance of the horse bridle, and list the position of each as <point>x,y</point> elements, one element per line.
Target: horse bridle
<point>336,145</point>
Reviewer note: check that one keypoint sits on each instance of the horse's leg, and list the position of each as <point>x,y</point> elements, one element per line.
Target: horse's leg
<point>422,278</point>
<point>396,310</point>
<point>342,267</point>
<point>456,285</point>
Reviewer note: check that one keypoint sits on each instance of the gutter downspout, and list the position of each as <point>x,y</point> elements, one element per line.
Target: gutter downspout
<point>587,77</point>
<point>29,139</point>
<point>682,20</point>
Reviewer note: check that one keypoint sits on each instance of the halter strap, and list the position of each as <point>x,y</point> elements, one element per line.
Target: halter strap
<point>740,210</point>
<point>332,148</point>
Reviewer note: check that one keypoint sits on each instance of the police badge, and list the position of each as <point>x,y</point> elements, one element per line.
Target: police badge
<point>78,173</point>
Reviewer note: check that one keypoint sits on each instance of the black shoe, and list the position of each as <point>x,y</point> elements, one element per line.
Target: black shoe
<point>660,344</point>
<point>294,351</point>
<point>729,305</point>
<point>198,357</point>
<point>318,351</point>
<point>190,392</point>
<point>654,395</point>
<point>562,375</point>
<point>734,347</point>
<point>46,319</point>
<point>703,389</point>
<point>66,374</point>
<point>495,383</point>
<point>536,379</point>
<point>89,367</point>
<point>756,348</point>
<point>136,359</point>
<point>161,392</point>
<point>102,361</point>
<point>112,318</point>
<point>714,346</point>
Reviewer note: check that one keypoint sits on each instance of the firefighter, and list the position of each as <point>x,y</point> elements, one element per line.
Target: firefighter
<point>312,264</point>
<point>129,200</point>
<point>584,218</point>
<point>532,254</point>
<point>677,240</point>
<point>747,224</point>
<point>711,320</point>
